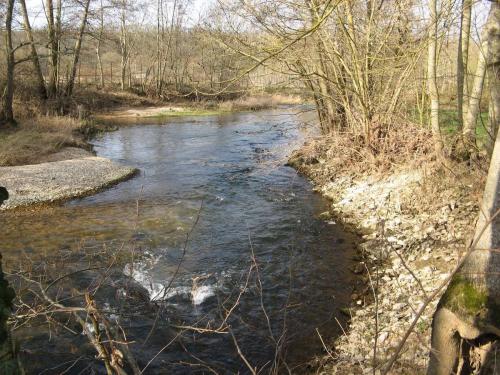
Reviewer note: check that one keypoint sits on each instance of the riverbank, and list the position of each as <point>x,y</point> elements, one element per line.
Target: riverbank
<point>71,173</point>
<point>42,130</point>
<point>159,111</point>
<point>415,220</point>
<point>48,159</point>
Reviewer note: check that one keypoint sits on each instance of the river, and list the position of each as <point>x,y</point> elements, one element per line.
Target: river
<point>212,195</point>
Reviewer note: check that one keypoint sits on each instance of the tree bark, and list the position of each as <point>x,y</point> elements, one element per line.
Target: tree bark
<point>493,70</point>
<point>58,33</point>
<point>468,316</point>
<point>53,49</point>
<point>42,90</point>
<point>432,80</point>
<point>123,45</point>
<point>98,47</point>
<point>462,60</point>
<point>474,107</point>
<point>6,112</point>
<point>78,47</point>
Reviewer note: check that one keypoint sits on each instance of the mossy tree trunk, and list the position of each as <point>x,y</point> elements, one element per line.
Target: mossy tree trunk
<point>466,326</point>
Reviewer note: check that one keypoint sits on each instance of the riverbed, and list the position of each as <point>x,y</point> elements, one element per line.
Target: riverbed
<point>212,201</point>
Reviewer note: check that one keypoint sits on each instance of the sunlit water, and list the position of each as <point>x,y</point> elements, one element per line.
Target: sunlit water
<point>227,171</point>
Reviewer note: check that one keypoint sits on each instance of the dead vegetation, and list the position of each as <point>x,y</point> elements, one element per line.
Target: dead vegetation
<point>346,153</point>
<point>415,215</point>
<point>259,102</point>
<point>65,123</point>
<point>39,137</point>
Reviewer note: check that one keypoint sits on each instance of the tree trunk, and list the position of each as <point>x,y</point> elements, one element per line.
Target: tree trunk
<point>467,321</point>
<point>432,80</point>
<point>42,90</point>
<point>58,34</point>
<point>53,49</point>
<point>98,47</point>
<point>474,107</point>
<point>99,64</point>
<point>6,112</point>
<point>159,46</point>
<point>78,47</point>
<point>494,82</point>
<point>123,46</point>
<point>462,61</point>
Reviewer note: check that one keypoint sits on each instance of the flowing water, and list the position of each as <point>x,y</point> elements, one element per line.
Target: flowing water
<point>219,182</point>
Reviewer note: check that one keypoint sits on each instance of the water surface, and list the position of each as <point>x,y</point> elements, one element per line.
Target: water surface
<point>227,174</point>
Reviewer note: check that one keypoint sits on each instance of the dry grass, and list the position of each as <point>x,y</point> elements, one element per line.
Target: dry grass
<point>255,103</point>
<point>103,100</point>
<point>346,153</point>
<point>38,137</point>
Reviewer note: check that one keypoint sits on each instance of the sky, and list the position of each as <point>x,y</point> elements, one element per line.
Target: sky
<point>197,8</point>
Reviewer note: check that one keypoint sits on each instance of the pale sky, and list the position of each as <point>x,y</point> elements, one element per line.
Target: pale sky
<point>198,8</point>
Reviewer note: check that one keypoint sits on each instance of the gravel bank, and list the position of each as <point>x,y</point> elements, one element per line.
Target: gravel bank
<point>60,180</point>
<point>414,226</point>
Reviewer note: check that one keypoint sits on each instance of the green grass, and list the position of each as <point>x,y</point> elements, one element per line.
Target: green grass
<point>448,119</point>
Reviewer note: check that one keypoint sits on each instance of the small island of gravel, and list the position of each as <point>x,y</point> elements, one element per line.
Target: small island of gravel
<point>59,180</point>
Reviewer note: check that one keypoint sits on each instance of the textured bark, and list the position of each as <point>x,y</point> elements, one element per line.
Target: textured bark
<point>98,46</point>
<point>6,112</point>
<point>468,314</point>
<point>469,127</point>
<point>432,81</point>
<point>42,90</point>
<point>124,48</point>
<point>53,49</point>
<point>78,47</point>
<point>463,59</point>
<point>493,70</point>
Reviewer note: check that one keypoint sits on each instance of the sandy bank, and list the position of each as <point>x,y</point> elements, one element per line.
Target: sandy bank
<point>58,180</point>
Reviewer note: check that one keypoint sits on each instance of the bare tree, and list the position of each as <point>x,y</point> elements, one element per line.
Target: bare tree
<point>100,37</point>
<point>53,48</point>
<point>78,46</point>
<point>432,79</point>
<point>463,60</point>
<point>466,320</point>
<point>42,90</point>
<point>473,108</point>
<point>6,112</point>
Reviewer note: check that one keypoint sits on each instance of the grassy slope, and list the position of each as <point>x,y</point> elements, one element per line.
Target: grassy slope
<point>38,137</point>
<point>449,123</point>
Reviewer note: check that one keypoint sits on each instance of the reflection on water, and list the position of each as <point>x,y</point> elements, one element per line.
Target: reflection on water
<point>232,166</point>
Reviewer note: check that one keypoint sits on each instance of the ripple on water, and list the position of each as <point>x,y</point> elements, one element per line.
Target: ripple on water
<point>253,208</point>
